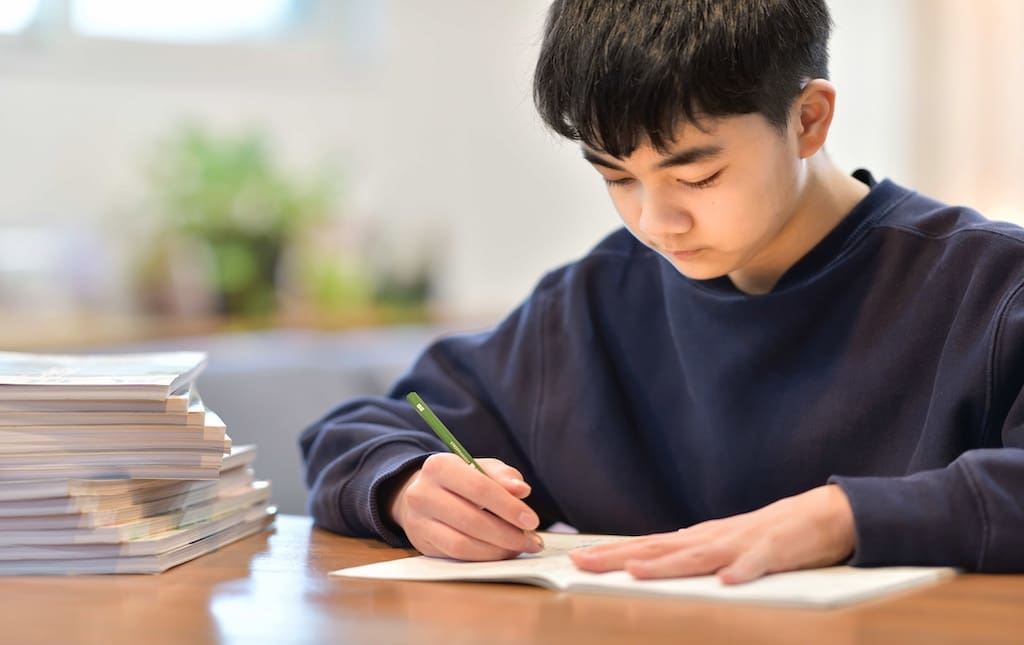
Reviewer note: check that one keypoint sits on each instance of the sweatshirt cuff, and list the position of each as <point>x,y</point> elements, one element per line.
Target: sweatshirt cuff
<point>387,470</point>
<point>931,518</point>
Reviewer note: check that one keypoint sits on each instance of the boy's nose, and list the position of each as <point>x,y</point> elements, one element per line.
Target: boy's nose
<point>661,218</point>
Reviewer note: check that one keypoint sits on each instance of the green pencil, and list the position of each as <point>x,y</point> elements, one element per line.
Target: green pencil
<point>443,433</point>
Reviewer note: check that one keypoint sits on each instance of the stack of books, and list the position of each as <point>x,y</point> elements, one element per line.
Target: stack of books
<point>112,464</point>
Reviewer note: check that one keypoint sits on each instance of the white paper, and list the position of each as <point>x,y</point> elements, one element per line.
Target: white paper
<point>827,587</point>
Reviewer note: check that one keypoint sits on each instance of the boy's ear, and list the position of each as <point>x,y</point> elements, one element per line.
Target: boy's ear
<point>813,111</point>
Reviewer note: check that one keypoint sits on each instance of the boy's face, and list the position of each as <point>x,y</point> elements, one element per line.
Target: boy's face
<point>721,202</point>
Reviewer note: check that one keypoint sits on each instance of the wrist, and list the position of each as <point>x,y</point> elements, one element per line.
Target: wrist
<point>392,496</point>
<point>838,523</point>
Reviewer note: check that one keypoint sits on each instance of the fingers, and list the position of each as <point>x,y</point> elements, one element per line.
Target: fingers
<point>483,492</point>
<point>694,561</point>
<point>470,520</point>
<point>443,541</point>
<point>812,529</point>
<point>450,509</point>
<point>748,566</point>
<point>667,555</point>
<point>507,476</point>
<point>612,557</point>
<point>635,551</point>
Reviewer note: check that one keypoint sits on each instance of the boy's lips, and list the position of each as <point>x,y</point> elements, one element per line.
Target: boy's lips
<point>684,254</point>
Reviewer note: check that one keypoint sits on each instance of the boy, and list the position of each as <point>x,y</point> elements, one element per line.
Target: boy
<point>773,366</point>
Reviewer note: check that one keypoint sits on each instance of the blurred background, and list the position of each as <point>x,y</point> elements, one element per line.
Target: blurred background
<point>310,190</point>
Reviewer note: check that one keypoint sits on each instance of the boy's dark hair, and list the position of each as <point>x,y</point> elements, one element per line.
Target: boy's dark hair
<point>614,72</point>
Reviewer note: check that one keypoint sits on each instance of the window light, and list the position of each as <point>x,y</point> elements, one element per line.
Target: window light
<point>181,20</point>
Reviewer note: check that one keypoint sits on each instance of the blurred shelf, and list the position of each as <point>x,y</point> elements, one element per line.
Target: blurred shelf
<point>58,331</point>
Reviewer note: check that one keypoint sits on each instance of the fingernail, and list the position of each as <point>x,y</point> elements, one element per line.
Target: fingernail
<point>519,483</point>
<point>527,521</point>
<point>538,540</point>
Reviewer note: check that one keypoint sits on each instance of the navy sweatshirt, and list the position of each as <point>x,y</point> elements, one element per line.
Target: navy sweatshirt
<point>888,360</point>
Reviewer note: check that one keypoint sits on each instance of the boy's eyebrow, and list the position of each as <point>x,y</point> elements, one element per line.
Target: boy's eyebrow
<point>681,158</point>
<point>691,155</point>
<point>600,161</point>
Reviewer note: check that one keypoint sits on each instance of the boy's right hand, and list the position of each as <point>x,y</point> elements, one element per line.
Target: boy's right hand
<point>449,509</point>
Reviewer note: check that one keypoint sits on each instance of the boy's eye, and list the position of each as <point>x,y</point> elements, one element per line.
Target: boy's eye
<point>624,181</point>
<point>703,183</point>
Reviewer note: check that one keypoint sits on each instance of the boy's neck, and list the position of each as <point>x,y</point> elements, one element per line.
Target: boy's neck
<point>828,195</point>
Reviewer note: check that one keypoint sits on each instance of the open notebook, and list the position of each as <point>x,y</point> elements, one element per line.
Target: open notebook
<point>828,587</point>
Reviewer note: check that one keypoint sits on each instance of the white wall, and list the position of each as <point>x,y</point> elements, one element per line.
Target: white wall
<point>427,106</point>
<point>870,58</point>
<point>448,138</point>
<point>968,139</point>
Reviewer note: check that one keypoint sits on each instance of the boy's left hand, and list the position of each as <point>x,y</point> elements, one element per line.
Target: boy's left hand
<point>813,529</point>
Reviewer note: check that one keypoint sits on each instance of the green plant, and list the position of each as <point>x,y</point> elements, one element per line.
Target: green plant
<point>227,192</point>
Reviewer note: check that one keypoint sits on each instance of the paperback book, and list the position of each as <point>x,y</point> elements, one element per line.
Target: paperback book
<point>132,526</point>
<point>113,464</point>
<point>150,376</point>
<point>29,414</point>
<point>242,455</point>
<point>254,521</point>
<point>41,535</point>
<point>176,403</point>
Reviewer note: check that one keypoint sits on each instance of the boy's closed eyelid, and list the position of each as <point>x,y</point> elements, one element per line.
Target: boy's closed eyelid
<point>706,182</point>
<point>612,175</point>
<point>617,181</point>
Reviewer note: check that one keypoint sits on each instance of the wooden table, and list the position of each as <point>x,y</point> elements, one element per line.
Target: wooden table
<point>274,588</point>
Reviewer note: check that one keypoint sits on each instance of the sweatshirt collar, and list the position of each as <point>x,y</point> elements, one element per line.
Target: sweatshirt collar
<point>844,237</point>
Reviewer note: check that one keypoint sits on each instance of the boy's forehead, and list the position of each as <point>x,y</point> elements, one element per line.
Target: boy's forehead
<point>706,134</point>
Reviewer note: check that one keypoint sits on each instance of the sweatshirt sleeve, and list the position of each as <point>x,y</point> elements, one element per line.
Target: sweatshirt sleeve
<point>969,514</point>
<point>485,388</point>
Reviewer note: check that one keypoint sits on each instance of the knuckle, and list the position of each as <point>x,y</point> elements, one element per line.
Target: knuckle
<point>477,489</point>
<point>497,467</point>
<point>434,465</point>
<point>456,545</point>
<point>478,486</point>
<point>423,546</point>
<point>771,545</point>
<point>416,495</point>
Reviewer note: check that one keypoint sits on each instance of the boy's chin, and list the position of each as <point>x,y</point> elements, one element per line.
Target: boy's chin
<point>688,270</point>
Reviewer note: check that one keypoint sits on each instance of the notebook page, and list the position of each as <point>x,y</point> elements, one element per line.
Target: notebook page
<point>547,568</point>
<point>827,587</point>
